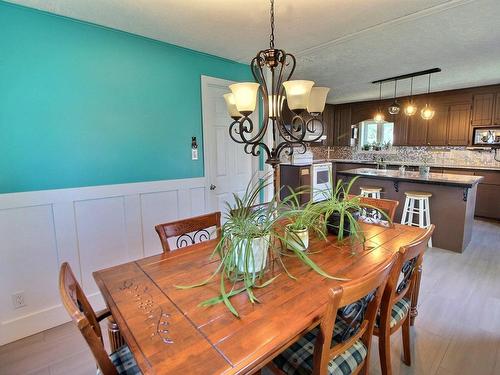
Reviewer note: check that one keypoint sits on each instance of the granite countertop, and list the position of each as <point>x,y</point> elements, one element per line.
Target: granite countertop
<point>432,178</point>
<point>414,164</point>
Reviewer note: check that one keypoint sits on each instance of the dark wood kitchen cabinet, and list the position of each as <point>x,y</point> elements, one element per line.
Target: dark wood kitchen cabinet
<point>459,124</point>
<point>362,112</point>
<point>329,124</point>
<point>437,128</point>
<point>342,125</point>
<point>482,109</point>
<point>496,116</point>
<point>487,202</point>
<point>400,133</point>
<point>417,128</point>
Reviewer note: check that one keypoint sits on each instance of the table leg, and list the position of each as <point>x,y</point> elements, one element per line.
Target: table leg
<point>414,295</point>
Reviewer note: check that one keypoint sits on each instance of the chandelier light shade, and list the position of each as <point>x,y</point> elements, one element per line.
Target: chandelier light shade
<point>298,93</point>
<point>231,106</point>
<point>272,69</point>
<point>317,99</point>
<point>428,112</point>
<point>245,96</point>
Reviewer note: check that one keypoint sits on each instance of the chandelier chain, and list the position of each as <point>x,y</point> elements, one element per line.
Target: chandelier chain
<point>271,36</point>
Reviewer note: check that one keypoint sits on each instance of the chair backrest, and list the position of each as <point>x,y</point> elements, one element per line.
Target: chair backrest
<point>403,276</point>
<point>356,303</point>
<point>188,231</point>
<point>83,315</point>
<point>386,205</point>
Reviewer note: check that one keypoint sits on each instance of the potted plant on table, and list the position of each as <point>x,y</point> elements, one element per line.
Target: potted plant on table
<point>341,212</point>
<point>303,219</point>
<point>251,232</point>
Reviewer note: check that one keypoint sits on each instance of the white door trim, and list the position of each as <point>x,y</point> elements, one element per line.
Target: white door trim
<point>207,81</point>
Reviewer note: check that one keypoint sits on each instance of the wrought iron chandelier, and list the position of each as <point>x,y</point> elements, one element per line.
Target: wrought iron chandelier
<point>272,69</point>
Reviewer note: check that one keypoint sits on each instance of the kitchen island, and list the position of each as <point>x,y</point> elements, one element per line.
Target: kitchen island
<point>452,203</point>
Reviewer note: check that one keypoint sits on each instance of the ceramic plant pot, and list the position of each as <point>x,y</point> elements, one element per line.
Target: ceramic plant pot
<point>251,254</point>
<point>298,239</point>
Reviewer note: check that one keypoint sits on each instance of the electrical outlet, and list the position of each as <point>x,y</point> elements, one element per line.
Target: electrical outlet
<point>18,300</point>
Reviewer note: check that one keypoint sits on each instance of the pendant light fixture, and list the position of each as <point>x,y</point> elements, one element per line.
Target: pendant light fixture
<point>394,107</point>
<point>428,112</point>
<point>411,108</point>
<point>379,116</point>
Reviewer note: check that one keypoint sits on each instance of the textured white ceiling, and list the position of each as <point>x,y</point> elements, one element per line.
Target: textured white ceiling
<point>343,44</point>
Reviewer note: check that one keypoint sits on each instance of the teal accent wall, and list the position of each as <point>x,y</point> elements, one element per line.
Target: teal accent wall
<point>84,105</point>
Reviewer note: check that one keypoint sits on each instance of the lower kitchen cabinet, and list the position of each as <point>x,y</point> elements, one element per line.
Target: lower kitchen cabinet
<point>487,201</point>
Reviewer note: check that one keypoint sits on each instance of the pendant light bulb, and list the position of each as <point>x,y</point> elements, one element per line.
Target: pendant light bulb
<point>394,107</point>
<point>411,108</point>
<point>379,116</point>
<point>428,112</point>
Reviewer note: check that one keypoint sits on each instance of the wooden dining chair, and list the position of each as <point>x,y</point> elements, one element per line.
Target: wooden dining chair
<point>395,308</point>
<point>120,361</point>
<point>341,343</point>
<point>188,231</point>
<point>388,206</point>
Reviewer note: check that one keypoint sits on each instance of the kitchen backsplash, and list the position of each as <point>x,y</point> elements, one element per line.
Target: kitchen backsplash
<point>447,156</point>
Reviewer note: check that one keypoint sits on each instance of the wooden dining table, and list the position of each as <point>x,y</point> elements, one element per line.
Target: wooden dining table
<point>168,331</point>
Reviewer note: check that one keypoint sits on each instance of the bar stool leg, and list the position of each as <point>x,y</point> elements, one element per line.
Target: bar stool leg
<point>421,212</point>
<point>405,211</point>
<point>411,212</point>
<point>428,217</point>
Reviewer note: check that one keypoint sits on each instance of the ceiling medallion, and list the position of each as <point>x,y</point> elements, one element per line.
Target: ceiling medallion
<point>272,69</point>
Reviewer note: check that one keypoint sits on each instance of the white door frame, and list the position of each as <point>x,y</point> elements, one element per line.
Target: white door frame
<point>207,81</point>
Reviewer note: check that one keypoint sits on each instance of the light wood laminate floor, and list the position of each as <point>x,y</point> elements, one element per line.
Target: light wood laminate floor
<point>457,330</point>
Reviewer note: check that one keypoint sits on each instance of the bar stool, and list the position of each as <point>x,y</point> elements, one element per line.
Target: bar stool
<point>423,211</point>
<point>370,191</point>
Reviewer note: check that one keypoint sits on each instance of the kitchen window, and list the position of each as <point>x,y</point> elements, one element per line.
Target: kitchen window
<point>374,133</point>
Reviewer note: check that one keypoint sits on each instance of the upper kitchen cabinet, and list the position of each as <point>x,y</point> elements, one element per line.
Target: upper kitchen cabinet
<point>496,116</point>
<point>342,125</point>
<point>400,129</point>
<point>482,109</point>
<point>329,123</point>
<point>459,124</point>
<point>362,111</point>
<point>417,127</point>
<point>437,127</point>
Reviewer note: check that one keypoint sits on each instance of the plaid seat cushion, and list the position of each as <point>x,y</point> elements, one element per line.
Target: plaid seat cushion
<point>298,358</point>
<point>399,311</point>
<point>124,362</point>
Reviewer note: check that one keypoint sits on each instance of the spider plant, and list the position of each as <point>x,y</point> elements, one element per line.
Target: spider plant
<point>341,212</point>
<point>303,219</point>
<point>250,233</point>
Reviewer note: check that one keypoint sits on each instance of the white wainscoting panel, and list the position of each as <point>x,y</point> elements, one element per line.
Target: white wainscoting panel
<point>91,228</point>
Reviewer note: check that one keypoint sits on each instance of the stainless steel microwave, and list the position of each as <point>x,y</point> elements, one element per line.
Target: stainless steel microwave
<point>486,136</point>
